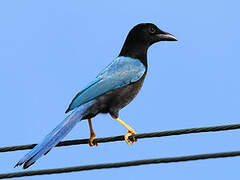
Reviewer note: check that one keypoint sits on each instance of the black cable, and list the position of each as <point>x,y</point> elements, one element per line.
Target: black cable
<point>139,136</point>
<point>119,164</point>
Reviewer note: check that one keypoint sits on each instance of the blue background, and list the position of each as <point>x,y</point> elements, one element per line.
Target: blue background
<point>49,50</point>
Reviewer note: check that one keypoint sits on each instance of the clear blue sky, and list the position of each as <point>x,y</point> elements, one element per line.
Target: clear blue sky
<point>49,50</point>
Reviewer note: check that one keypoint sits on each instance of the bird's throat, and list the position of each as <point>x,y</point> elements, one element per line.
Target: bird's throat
<point>135,52</point>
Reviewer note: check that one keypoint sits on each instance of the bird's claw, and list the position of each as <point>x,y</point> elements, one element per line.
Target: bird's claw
<point>91,140</point>
<point>132,140</point>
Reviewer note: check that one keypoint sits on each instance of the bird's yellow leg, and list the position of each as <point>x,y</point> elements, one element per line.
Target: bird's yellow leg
<point>92,134</point>
<point>130,131</point>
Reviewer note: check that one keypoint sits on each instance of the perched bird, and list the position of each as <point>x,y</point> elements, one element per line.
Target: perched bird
<point>115,87</point>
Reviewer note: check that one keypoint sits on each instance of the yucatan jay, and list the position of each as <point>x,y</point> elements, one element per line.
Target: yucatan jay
<point>115,87</point>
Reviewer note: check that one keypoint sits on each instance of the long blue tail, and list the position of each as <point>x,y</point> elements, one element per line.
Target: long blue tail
<point>54,137</point>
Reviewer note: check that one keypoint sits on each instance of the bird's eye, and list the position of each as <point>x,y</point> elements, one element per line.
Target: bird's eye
<point>152,30</point>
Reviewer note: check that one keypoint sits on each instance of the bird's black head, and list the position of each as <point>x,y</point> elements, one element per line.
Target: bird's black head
<point>141,37</point>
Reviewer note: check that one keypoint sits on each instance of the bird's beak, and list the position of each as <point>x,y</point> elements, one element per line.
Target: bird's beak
<point>165,36</point>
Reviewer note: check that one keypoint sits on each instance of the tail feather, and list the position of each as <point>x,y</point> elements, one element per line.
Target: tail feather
<point>54,137</point>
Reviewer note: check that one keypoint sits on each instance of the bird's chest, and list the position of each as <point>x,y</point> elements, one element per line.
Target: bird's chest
<point>119,98</point>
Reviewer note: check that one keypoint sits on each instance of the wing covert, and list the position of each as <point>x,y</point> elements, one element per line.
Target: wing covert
<point>121,72</point>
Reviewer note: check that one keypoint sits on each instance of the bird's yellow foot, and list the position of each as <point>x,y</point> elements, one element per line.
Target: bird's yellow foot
<point>132,140</point>
<point>91,140</point>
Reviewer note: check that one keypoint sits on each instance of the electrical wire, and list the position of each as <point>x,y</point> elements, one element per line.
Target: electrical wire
<point>138,136</point>
<point>120,164</point>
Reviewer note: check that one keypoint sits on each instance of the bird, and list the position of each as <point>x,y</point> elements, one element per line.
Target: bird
<point>113,88</point>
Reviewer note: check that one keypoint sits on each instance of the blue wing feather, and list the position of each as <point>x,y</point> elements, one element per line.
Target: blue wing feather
<point>121,72</point>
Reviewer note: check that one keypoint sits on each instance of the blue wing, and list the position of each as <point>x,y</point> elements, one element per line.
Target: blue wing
<point>121,72</point>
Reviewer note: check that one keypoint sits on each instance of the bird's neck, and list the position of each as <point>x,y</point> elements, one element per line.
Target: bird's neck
<point>135,50</point>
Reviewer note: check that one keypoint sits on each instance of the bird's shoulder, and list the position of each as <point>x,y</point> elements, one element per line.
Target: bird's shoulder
<point>123,66</point>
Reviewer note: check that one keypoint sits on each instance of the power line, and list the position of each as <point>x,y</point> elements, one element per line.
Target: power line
<point>139,136</point>
<point>128,163</point>
<point>120,164</point>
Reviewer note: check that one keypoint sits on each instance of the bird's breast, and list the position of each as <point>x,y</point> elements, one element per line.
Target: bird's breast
<point>119,98</point>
